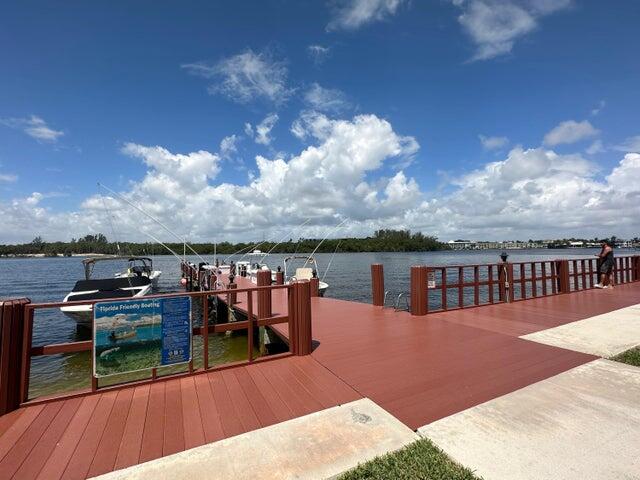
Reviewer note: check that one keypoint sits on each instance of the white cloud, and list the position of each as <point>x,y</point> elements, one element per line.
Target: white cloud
<point>495,25</point>
<point>493,143</point>
<point>327,180</point>
<point>262,130</point>
<point>318,53</point>
<point>246,77</point>
<point>35,127</point>
<point>326,99</point>
<point>342,172</point>
<point>631,144</point>
<point>8,177</point>
<point>536,193</point>
<point>228,146</point>
<point>595,147</point>
<point>352,14</point>
<point>570,131</point>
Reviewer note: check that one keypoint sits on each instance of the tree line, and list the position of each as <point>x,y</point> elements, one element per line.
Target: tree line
<point>385,240</point>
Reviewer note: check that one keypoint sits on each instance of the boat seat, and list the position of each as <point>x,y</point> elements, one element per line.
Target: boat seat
<point>304,273</point>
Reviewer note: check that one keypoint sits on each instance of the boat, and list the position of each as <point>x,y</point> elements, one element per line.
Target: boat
<point>305,272</point>
<point>97,289</point>
<point>141,267</point>
<point>122,334</point>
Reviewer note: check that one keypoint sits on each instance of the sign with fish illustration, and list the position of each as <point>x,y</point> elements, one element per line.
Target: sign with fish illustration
<point>134,335</point>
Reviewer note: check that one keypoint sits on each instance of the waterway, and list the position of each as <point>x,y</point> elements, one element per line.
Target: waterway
<point>50,279</point>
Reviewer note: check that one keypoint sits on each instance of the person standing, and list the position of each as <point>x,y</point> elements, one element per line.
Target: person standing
<point>605,269</point>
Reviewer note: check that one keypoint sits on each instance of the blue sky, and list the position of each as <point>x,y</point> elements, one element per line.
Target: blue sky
<point>488,119</point>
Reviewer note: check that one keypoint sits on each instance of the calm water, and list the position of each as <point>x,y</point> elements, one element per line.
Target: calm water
<point>50,279</point>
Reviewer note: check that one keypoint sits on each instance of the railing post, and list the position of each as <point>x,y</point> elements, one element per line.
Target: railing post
<point>279,278</point>
<point>419,301</point>
<point>12,329</point>
<point>377,284</point>
<point>232,297</point>
<point>263,278</point>
<point>315,286</point>
<point>635,262</point>
<point>505,282</point>
<point>302,335</point>
<point>562,269</point>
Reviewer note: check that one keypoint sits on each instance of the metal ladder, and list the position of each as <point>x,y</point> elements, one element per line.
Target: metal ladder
<point>396,306</point>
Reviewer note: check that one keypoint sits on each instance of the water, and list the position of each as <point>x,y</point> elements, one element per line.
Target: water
<point>50,279</point>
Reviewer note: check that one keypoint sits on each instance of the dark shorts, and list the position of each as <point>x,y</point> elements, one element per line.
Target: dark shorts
<point>606,267</point>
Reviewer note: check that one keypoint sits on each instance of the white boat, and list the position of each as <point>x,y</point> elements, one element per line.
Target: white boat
<point>305,272</point>
<point>141,267</point>
<point>126,286</point>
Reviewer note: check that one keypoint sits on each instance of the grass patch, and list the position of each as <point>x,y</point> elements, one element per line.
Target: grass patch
<point>631,357</point>
<point>421,460</point>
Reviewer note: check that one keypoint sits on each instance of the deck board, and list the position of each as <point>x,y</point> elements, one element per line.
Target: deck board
<point>41,451</point>
<point>80,462</point>
<point>131,442</point>
<point>107,450</point>
<point>420,369</point>
<point>153,434</point>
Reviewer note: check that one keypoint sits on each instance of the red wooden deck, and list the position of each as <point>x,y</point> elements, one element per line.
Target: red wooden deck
<point>87,436</point>
<point>417,368</point>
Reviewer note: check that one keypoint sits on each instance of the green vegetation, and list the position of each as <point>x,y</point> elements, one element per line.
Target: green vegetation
<point>631,357</point>
<point>421,460</point>
<point>381,241</point>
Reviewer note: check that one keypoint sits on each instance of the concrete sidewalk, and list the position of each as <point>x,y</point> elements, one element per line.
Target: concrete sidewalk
<point>603,335</point>
<point>316,446</point>
<point>581,424</point>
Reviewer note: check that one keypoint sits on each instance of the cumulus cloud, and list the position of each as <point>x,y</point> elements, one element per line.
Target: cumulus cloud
<point>342,172</point>
<point>326,99</point>
<point>246,77</point>
<point>570,131</point>
<point>326,181</point>
<point>493,143</point>
<point>318,53</point>
<point>495,25</point>
<point>536,193</point>
<point>353,14</point>
<point>35,127</point>
<point>631,144</point>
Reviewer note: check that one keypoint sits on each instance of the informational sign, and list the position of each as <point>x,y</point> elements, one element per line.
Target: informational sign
<point>134,335</point>
<point>431,279</point>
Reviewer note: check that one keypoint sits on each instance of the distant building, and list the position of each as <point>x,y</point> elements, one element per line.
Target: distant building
<point>460,244</point>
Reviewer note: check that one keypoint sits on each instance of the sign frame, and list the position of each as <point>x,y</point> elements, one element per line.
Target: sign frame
<point>144,312</point>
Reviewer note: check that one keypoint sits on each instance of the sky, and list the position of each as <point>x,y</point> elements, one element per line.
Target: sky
<point>241,120</point>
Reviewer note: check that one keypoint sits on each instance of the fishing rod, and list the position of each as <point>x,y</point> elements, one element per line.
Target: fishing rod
<point>165,246</point>
<point>182,240</point>
<point>331,260</point>
<point>322,241</point>
<point>288,234</point>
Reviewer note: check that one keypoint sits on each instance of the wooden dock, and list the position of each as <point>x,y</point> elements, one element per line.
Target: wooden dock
<point>418,368</point>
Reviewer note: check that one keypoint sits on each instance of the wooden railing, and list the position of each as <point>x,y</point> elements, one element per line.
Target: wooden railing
<point>17,322</point>
<point>453,287</point>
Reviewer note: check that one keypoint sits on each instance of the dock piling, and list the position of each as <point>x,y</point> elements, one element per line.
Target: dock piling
<point>377,284</point>
<point>419,299</point>
<point>300,318</point>
<point>314,284</point>
<point>12,323</point>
